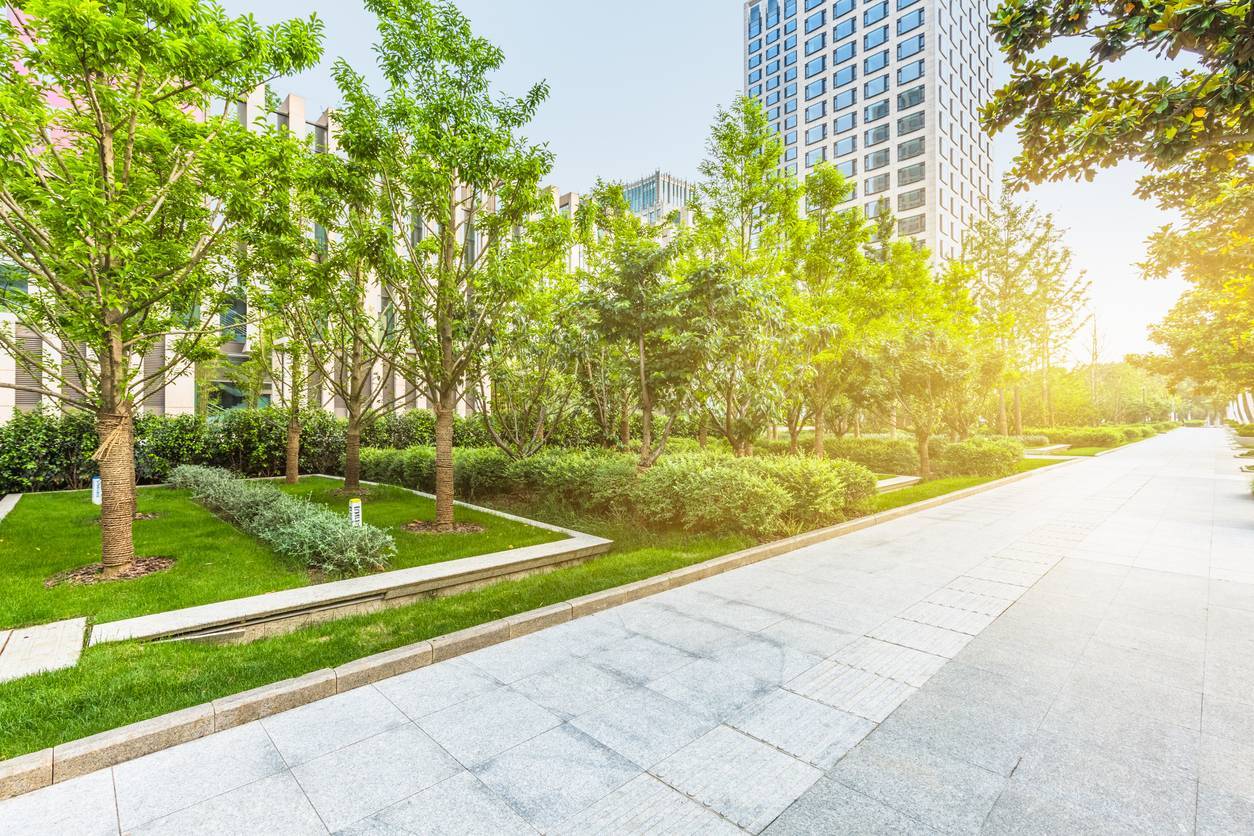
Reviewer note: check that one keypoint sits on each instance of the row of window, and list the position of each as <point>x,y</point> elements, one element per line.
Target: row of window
<point>875,160</point>
<point>877,12</point>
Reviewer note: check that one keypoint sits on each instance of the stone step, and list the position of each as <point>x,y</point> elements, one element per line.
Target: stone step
<point>46,647</point>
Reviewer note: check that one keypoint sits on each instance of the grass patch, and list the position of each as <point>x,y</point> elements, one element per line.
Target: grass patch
<point>939,487</point>
<point>50,533</point>
<point>1088,451</point>
<point>117,684</point>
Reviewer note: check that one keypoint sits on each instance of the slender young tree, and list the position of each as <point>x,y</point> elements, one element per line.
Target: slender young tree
<point>469,227</point>
<point>124,176</point>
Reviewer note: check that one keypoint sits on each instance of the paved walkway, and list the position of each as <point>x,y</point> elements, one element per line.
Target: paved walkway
<point>1071,654</point>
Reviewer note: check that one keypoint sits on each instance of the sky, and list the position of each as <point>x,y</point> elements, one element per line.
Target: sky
<point>634,88</point>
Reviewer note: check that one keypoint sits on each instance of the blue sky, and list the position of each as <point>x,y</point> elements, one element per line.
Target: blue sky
<point>635,86</point>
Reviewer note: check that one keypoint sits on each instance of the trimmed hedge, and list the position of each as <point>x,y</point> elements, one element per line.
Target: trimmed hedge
<point>880,455</point>
<point>696,491</point>
<point>980,456</point>
<point>1083,436</point>
<point>1244,430</point>
<point>296,528</point>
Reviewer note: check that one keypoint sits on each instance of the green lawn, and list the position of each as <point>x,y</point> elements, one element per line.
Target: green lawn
<point>116,684</point>
<point>1088,451</point>
<point>939,487</point>
<point>51,532</point>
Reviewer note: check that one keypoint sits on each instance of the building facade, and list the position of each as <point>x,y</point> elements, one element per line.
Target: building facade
<point>889,91</point>
<point>655,197</point>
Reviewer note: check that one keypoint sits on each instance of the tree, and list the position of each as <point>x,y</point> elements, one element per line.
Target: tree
<point>124,176</point>
<point>469,228</point>
<point>744,207</point>
<point>643,305</point>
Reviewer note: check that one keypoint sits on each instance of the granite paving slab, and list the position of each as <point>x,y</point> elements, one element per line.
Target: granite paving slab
<point>46,647</point>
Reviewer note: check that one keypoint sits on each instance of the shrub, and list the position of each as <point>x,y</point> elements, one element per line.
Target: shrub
<point>709,493</point>
<point>296,528</point>
<point>881,455</point>
<point>1083,436</point>
<point>1245,430</point>
<point>820,491</point>
<point>980,457</point>
<point>1195,424</point>
<point>1165,426</point>
<point>42,450</point>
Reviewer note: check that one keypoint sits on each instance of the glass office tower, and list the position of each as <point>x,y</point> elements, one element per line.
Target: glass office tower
<point>890,92</point>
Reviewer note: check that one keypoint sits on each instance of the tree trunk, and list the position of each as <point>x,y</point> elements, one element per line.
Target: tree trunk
<point>703,431</point>
<point>1018,411</point>
<point>925,456</point>
<point>443,464</point>
<point>117,485</point>
<point>1003,422</point>
<point>624,426</point>
<point>793,432</point>
<point>352,455</point>
<point>646,407</point>
<point>819,449</point>
<point>292,470</point>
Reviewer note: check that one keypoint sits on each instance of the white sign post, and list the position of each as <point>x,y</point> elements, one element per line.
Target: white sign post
<point>354,512</point>
<point>96,498</point>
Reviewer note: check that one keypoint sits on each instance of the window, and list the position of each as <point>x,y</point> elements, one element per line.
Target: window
<point>910,72</point>
<point>876,13</point>
<point>815,156</point>
<point>816,111</point>
<point>816,43</point>
<point>790,8</point>
<point>910,98</point>
<point>848,168</point>
<point>845,75</point>
<point>773,38</point>
<point>846,146</point>
<point>790,106</point>
<point>911,200</point>
<point>910,124</point>
<point>813,4</point>
<point>790,123</point>
<point>910,22</point>
<point>876,62</point>
<point>754,46</point>
<point>755,91</point>
<point>876,111</point>
<point>790,155</point>
<point>755,21</point>
<point>772,53</point>
<point>911,148</point>
<point>772,68</point>
<point>816,134</point>
<point>878,183</point>
<point>816,88</point>
<point>816,66</point>
<point>844,52</point>
<point>815,21</point>
<point>877,135</point>
<point>910,46</point>
<point>842,7</point>
<point>905,4</point>
<point>772,13</point>
<point>912,225</point>
<point>772,99</point>
<point>773,83</point>
<point>845,122</point>
<point>790,74</point>
<point>845,98</point>
<point>877,159</point>
<point>845,28</point>
<point>755,61</point>
<point>790,59</point>
<point>911,174</point>
<point>875,37</point>
<point>875,86</point>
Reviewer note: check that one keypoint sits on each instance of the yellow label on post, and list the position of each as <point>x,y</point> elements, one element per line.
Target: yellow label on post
<point>354,512</point>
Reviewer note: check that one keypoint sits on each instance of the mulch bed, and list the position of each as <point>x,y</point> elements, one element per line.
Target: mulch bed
<point>423,527</point>
<point>91,574</point>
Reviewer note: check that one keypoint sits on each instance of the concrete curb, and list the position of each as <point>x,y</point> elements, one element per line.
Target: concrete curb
<point>31,772</point>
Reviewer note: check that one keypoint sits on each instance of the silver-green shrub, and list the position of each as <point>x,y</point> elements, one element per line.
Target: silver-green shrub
<point>296,528</point>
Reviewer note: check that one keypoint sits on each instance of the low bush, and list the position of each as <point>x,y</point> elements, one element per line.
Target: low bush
<point>1244,430</point>
<point>1194,424</point>
<point>1165,426</point>
<point>477,471</point>
<point>310,534</point>
<point>980,456</point>
<point>1083,436</point>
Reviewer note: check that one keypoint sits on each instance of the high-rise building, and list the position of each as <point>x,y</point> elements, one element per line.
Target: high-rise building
<point>887,90</point>
<point>657,195</point>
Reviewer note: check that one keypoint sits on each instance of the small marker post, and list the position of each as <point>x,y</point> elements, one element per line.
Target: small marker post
<point>354,512</point>
<point>96,497</point>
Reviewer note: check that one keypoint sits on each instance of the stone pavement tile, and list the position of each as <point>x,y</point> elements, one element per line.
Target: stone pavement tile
<point>526,656</point>
<point>763,659</point>
<point>1132,737</point>
<point>311,730</point>
<point>698,636</point>
<point>359,780</point>
<point>1151,640</point>
<point>1232,594</point>
<point>1236,626</point>
<point>1085,776</point>
<point>934,640</point>
<point>742,779</point>
<point>711,689</point>
<point>1163,592</point>
<point>1039,640</point>
<point>1223,717</point>
<point>1086,580</point>
<point>810,731</point>
<point>1173,671</point>
<point>946,794</point>
<point>168,781</point>
<point>993,572</point>
<point>435,687</point>
<point>646,805</point>
<point>641,659</point>
<point>993,589</point>
<point>1016,663</point>
<point>807,636</point>
<point>643,726</point>
<point>44,647</point>
<point>486,725</point>
<point>552,777</point>
<point>587,635</point>
<point>736,614</point>
<point>1025,811</point>
<point>1191,624</point>
<point>573,688</point>
<point>1223,814</point>
<point>904,664</point>
<point>832,808</point>
<point>969,601</point>
<point>457,806</point>
<point>1138,696</point>
<point>859,692</point>
<point>277,801</point>
<point>81,806</point>
<point>1228,765</point>
<point>949,618</point>
<point>848,618</point>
